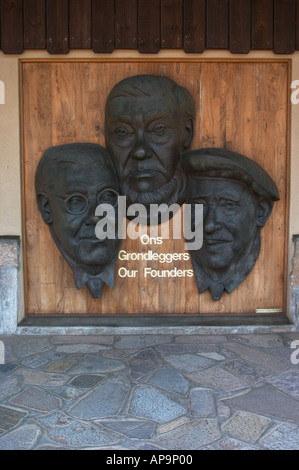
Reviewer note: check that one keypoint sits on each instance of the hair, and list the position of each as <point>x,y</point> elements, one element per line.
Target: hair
<point>81,154</point>
<point>147,85</point>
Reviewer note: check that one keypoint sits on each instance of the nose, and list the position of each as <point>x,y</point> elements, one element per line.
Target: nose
<point>90,217</point>
<point>141,150</point>
<point>212,220</point>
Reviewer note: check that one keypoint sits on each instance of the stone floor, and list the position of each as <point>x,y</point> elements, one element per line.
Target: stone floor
<point>151,392</point>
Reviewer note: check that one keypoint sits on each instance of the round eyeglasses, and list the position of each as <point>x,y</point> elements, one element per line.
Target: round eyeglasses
<point>77,203</point>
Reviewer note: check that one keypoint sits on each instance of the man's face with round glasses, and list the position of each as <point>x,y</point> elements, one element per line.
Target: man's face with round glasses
<point>73,200</point>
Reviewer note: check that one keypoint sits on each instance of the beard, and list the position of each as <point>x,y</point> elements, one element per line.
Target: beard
<point>173,192</point>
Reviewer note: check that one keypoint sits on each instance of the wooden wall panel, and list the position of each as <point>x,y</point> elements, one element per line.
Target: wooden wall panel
<point>171,24</point>
<point>102,25</point>
<point>239,26</point>
<point>242,106</point>
<point>284,26</point>
<point>149,24</point>
<point>80,24</point>
<point>57,26</point>
<point>34,12</point>
<point>191,25</point>
<point>262,24</point>
<point>125,24</point>
<point>12,26</point>
<point>217,24</point>
<point>194,25</point>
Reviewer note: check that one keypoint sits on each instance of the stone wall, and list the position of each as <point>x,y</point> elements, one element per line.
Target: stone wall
<point>9,283</point>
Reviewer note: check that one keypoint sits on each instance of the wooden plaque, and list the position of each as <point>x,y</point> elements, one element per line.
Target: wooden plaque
<point>240,105</point>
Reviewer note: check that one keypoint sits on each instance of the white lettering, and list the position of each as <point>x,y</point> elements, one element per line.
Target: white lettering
<point>2,353</point>
<point>105,227</point>
<point>137,228</point>
<point>195,236</point>
<point>294,95</point>
<point>295,354</point>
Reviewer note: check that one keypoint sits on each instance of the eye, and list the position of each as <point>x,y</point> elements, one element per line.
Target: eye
<point>76,204</point>
<point>229,205</point>
<point>108,197</point>
<point>121,132</point>
<point>159,129</point>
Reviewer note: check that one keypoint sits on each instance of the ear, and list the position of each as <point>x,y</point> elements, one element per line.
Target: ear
<point>263,212</point>
<point>189,132</point>
<point>44,207</point>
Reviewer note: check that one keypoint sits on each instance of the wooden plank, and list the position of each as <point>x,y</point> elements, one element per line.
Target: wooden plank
<point>239,26</point>
<point>12,26</point>
<point>34,24</point>
<point>57,26</point>
<point>262,24</point>
<point>125,24</point>
<point>149,23</point>
<point>297,25</point>
<point>217,24</point>
<point>80,24</point>
<point>171,24</point>
<point>284,26</point>
<point>194,25</point>
<point>102,26</point>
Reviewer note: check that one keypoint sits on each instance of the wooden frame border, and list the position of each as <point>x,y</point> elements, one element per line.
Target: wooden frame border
<point>287,61</point>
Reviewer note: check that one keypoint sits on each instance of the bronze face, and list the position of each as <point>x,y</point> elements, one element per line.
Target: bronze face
<point>148,124</point>
<point>230,215</point>
<point>71,181</point>
<point>237,197</point>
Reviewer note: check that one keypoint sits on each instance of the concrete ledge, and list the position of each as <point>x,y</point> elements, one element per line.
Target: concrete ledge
<point>153,325</point>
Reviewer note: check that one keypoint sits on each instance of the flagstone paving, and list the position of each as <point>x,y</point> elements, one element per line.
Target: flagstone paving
<point>150,392</point>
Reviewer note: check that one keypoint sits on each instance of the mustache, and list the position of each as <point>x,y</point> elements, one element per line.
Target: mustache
<point>169,192</point>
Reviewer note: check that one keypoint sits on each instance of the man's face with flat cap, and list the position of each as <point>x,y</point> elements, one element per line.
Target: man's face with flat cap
<point>229,222</point>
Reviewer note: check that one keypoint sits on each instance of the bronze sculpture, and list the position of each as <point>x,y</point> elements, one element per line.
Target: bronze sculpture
<point>148,124</point>
<point>237,196</point>
<point>71,181</point>
<point>148,131</point>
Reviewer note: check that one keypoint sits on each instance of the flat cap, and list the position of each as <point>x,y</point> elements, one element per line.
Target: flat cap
<point>218,162</point>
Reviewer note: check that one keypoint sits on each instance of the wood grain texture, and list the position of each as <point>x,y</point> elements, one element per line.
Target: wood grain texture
<point>217,24</point>
<point>171,24</point>
<point>194,25</point>
<point>239,26</point>
<point>12,26</point>
<point>240,105</point>
<point>284,26</point>
<point>57,12</point>
<point>102,26</point>
<point>149,24</point>
<point>262,24</point>
<point>80,24</point>
<point>125,24</point>
<point>34,13</point>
